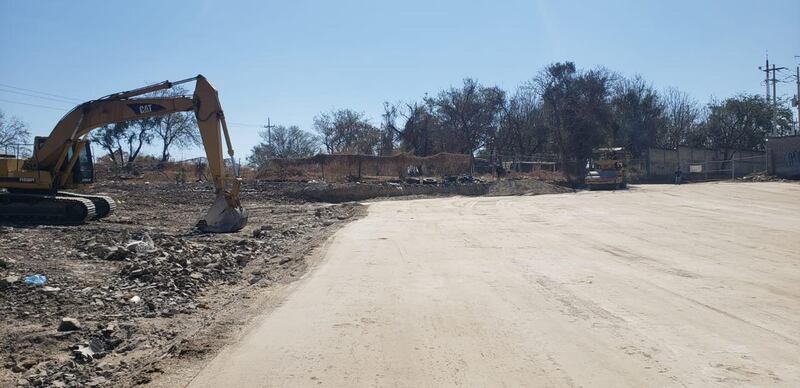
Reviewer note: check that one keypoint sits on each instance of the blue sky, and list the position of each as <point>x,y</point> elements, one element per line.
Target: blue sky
<point>291,60</point>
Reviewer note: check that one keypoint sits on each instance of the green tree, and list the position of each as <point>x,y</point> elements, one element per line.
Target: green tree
<point>576,109</point>
<point>744,122</point>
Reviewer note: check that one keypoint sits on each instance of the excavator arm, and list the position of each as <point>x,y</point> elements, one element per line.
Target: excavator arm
<point>226,214</point>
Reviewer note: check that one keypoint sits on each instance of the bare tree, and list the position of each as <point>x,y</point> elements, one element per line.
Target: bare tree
<point>347,131</point>
<point>121,137</point>
<point>638,115</point>
<point>284,142</point>
<point>522,131</point>
<point>389,131</point>
<point>13,131</point>
<point>681,115</point>
<point>110,138</point>
<point>176,129</point>
<point>421,133</point>
<point>470,114</point>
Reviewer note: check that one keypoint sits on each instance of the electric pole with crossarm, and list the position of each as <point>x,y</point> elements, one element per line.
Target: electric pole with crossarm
<point>269,127</point>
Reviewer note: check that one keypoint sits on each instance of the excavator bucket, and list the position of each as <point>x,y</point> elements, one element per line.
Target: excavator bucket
<point>225,216</point>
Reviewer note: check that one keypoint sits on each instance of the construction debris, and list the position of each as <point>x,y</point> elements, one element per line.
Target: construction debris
<point>123,293</point>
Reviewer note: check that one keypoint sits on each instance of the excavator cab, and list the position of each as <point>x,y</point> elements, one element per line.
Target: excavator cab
<point>83,171</point>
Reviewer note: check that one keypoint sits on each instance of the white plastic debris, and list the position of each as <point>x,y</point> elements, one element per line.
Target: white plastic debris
<point>144,245</point>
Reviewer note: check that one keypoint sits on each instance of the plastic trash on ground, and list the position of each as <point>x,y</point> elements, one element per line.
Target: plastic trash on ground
<point>36,280</point>
<point>141,246</point>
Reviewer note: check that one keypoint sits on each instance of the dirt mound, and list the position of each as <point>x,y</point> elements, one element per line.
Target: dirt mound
<point>524,187</point>
<point>336,193</point>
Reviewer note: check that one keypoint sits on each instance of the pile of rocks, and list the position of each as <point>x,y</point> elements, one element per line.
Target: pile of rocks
<point>161,275</point>
<point>118,296</point>
<point>153,277</point>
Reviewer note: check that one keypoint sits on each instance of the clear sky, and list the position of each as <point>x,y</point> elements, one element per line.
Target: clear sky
<point>291,60</point>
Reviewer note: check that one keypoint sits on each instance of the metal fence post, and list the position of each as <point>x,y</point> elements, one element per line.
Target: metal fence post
<point>733,169</point>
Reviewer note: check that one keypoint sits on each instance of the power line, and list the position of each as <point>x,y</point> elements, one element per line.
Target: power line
<point>35,96</point>
<point>44,93</point>
<point>774,80</point>
<point>36,105</point>
<point>244,124</point>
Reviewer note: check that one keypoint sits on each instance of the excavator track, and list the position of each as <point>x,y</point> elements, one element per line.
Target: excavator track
<point>50,209</point>
<point>104,206</point>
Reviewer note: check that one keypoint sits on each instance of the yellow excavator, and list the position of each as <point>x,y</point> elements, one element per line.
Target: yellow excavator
<point>34,187</point>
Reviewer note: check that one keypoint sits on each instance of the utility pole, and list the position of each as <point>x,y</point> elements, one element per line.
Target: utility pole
<point>775,71</point>
<point>269,127</point>
<point>766,69</point>
<point>774,87</point>
<point>766,80</point>
<point>796,100</point>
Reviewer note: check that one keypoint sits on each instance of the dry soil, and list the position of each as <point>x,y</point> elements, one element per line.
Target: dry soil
<point>662,285</point>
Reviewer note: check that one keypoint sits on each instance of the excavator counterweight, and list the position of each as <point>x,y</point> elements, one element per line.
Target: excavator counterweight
<point>35,187</point>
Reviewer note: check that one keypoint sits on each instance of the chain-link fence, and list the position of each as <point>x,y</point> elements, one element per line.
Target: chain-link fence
<point>651,168</point>
<point>727,169</point>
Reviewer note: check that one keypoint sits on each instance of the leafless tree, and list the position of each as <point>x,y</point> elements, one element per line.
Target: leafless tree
<point>347,131</point>
<point>389,131</point>
<point>176,129</point>
<point>681,115</point>
<point>283,142</point>
<point>470,114</point>
<point>121,137</point>
<point>522,131</point>
<point>638,114</point>
<point>13,131</point>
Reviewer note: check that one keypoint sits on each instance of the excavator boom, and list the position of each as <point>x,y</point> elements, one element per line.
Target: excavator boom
<point>35,184</point>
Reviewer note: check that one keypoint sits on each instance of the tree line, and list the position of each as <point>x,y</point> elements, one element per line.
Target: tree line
<point>563,111</point>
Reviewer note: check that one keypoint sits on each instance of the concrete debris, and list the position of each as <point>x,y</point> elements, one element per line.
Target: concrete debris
<point>133,285</point>
<point>69,324</point>
<point>8,281</point>
<point>145,245</point>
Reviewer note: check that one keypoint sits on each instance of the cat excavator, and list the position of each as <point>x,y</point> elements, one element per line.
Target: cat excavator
<point>35,187</point>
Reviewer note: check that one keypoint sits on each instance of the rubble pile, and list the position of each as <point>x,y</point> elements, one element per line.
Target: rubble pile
<point>101,304</point>
<point>161,275</point>
<point>760,177</point>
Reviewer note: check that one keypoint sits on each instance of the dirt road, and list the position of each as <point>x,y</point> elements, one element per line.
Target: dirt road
<point>694,285</point>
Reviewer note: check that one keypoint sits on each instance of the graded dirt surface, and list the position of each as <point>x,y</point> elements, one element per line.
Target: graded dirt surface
<point>662,285</point>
